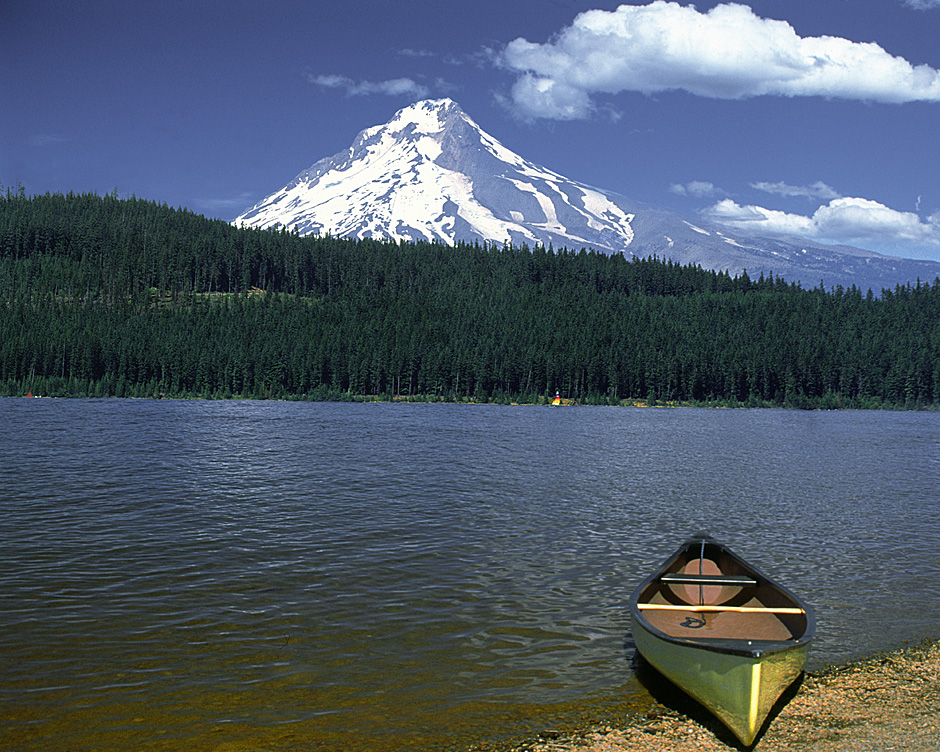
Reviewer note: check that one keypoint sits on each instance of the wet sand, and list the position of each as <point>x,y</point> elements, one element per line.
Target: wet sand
<point>888,702</point>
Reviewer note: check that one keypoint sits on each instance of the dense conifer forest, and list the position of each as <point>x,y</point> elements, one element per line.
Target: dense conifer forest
<point>104,296</point>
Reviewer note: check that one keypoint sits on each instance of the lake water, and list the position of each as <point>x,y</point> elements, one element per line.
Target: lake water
<point>261,575</point>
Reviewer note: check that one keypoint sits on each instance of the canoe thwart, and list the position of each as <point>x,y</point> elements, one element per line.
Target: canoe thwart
<point>734,609</point>
<point>733,580</point>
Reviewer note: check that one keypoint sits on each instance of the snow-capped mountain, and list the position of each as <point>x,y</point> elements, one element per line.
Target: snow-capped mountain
<point>431,173</point>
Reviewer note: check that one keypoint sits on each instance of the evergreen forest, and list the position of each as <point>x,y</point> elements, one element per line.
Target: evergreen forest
<point>109,296</point>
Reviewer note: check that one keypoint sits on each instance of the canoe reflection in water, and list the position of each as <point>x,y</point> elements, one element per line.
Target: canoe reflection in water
<point>723,632</point>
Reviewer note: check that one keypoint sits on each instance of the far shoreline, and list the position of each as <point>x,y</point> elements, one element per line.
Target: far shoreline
<point>541,401</point>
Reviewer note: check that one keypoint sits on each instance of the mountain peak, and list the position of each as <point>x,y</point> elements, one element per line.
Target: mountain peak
<point>427,109</point>
<point>431,173</point>
<point>429,117</point>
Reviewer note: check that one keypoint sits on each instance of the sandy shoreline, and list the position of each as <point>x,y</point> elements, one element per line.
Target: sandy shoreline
<point>888,702</point>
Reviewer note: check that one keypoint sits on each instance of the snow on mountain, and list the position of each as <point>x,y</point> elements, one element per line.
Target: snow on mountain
<point>431,173</point>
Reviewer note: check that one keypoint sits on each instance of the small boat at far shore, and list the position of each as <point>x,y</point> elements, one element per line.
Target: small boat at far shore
<point>723,632</point>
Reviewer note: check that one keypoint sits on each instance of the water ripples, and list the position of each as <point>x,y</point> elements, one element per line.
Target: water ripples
<point>385,576</point>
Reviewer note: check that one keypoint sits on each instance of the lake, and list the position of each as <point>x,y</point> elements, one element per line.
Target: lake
<point>266,575</point>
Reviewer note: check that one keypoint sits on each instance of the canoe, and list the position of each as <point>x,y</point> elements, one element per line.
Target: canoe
<point>723,632</point>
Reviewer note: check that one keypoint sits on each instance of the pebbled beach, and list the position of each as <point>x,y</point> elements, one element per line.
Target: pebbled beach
<point>887,702</point>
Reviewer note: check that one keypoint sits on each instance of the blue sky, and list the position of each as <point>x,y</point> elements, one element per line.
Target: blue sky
<point>815,117</point>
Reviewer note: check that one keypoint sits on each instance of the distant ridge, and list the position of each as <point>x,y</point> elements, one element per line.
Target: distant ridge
<point>431,173</point>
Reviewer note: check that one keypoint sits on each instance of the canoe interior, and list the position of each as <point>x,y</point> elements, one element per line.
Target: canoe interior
<point>716,625</point>
<point>722,625</point>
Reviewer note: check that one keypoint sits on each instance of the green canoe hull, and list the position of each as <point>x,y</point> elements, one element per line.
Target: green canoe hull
<point>723,632</point>
<point>739,690</point>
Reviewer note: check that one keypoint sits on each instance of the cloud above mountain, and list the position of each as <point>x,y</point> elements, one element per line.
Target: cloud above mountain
<point>390,87</point>
<point>818,190</point>
<point>727,53</point>
<point>697,188</point>
<point>857,221</point>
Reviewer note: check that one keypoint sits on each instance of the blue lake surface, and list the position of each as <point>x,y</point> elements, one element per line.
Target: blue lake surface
<point>407,576</point>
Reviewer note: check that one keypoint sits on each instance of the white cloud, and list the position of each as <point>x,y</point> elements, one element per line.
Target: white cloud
<point>540,97</point>
<point>817,190</point>
<point>698,188</point>
<point>922,4</point>
<point>853,221</point>
<point>726,53</point>
<point>410,52</point>
<point>757,218</point>
<point>390,87</point>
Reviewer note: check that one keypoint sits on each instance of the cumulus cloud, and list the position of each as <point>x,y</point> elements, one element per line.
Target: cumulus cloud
<point>391,87</point>
<point>854,221</point>
<point>818,190</point>
<point>757,218</point>
<point>541,97</point>
<point>697,188</point>
<point>726,53</point>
